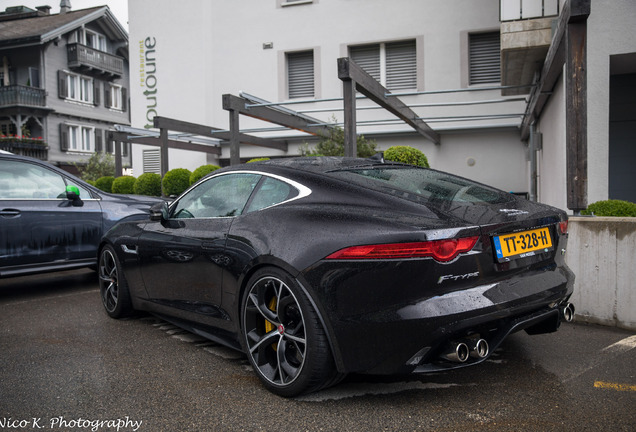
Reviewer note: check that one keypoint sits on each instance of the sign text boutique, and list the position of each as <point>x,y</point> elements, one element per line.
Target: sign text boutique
<point>148,77</point>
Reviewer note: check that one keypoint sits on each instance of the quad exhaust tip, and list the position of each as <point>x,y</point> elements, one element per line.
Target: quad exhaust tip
<point>457,352</point>
<point>568,312</point>
<point>460,351</point>
<point>480,350</point>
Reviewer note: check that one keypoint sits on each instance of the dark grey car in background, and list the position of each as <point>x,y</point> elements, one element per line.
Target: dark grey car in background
<point>46,226</point>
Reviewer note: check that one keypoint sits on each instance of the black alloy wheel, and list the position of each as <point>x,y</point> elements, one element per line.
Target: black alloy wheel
<point>284,339</point>
<point>113,288</point>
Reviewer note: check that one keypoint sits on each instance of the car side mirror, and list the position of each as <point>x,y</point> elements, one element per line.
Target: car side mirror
<point>159,212</point>
<point>73,195</point>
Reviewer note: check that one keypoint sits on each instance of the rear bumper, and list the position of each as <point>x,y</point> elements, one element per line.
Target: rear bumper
<point>410,337</point>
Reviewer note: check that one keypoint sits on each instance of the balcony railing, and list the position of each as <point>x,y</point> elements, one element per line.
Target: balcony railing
<point>512,10</point>
<point>17,95</point>
<point>81,56</point>
<point>25,147</point>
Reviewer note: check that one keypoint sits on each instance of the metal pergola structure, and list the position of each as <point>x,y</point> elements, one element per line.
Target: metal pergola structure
<point>180,134</point>
<point>568,47</point>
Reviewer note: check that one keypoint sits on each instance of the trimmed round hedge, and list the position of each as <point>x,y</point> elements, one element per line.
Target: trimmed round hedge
<point>105,183</point>
<point>617,208</point>
<point>148,184</point>
<point>201,172</point>
<point>123,185</point>
<point>407,155</point>
<point>176,181</point>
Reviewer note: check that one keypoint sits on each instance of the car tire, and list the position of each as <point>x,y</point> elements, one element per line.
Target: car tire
<point>113,288</point>
<point>283,336</point>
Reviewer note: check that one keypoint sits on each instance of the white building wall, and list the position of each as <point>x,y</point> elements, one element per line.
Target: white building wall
<point>610,31</point>
<point>551,160</point>
<point>206,49</point>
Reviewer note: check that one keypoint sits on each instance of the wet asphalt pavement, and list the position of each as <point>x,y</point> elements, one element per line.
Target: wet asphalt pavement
<point>66,366</point>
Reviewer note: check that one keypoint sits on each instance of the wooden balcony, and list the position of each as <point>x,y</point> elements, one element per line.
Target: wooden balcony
<point>89,59</point>
<point>22,96</point>
<point>36,149</point>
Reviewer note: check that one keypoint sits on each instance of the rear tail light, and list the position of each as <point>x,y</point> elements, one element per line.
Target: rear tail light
<point>563,227</point>
<point>439,250</point>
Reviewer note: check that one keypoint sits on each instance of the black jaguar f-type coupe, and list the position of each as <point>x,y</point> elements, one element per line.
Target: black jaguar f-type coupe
<point>318,267</point>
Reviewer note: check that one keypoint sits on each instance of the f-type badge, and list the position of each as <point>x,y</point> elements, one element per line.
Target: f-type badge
<point>457,277</point>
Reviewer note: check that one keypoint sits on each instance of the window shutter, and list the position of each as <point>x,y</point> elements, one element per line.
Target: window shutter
<point>368,58</point>
<point>124,149</point>
<point>63,137</point>
<point>62,90</point>
<point>300,70</point>
<point>151,160</point>
<point>109,146</point>
<point>96,91</point>
<point>124,99</point>
<point>485,58</point>
<point>401,65</point>
<point>107,98</point>
<point>98,140</point>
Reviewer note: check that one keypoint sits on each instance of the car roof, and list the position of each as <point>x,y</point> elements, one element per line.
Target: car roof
<point>319,164</point>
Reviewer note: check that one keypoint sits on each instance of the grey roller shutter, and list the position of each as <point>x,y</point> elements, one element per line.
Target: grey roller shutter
<point>485,58</point>
<point>368,58</point>
<point>401,65</point>
<point>300,67</point>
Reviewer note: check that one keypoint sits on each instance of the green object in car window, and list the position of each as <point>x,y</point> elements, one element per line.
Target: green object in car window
<point>73,188</point>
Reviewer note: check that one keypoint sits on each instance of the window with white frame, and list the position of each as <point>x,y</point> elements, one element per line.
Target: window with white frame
<point>300,74</point>
<point>115,98</point>
<point>79,88</point>
<point>484,58</point>
<point>80,138</point>
<point>392,64</point>
<point>90,38</point>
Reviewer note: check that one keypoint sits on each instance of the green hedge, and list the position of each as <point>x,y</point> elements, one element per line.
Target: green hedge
<point>258,159</point>
<point>105,183</point>
<point>201,172</point>
<point>148,184</point>
<point>123,185</point>
<point>176,181</point>
<point>407,155</point>
<point>616,208</point>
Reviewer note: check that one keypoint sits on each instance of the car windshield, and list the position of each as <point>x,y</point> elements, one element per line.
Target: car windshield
<point>420,184</point>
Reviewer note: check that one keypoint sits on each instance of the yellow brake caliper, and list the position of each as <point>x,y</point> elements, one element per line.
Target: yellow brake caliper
<point>268,325</point>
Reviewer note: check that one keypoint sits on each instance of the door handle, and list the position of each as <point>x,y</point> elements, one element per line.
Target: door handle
<point>9,212</point>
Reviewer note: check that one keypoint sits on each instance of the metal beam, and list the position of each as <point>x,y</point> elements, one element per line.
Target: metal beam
<point>266,113</point>
<point>202,130</point>
<point>155,141</point>
<point>348,70</point>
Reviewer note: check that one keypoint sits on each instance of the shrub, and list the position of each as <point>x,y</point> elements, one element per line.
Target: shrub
<point>258,159</point>
<point>611,208</point>
<point>148,184</point>
<point>332,144</point>
<point>98,165</point>
<point>123,185</point>
<point>201,172</point>
<point>407,155</point>
<point>176,181</point>
<point>105,183</point>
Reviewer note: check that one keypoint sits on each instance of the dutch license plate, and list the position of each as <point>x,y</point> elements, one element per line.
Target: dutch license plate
<point>522,244</point>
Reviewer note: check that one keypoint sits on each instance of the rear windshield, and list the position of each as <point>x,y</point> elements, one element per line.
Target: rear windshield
<point>422,184</point>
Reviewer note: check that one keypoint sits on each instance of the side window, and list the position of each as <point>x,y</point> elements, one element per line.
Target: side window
<point>220,196</point>
<point>271,192</point>
<point>26,181</point>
